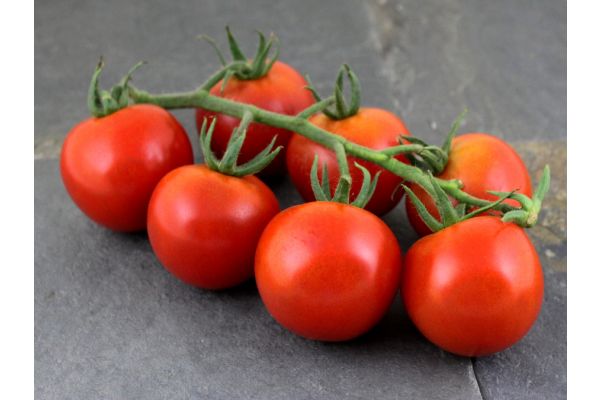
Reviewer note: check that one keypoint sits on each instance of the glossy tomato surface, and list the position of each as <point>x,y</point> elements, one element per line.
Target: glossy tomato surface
<point>474,288</point>
<point>482,162</point>
<point>204,226</point>
<point>281,90</point>
<point>327,271</point>
<point>110,165</point>
<point>370,127</point>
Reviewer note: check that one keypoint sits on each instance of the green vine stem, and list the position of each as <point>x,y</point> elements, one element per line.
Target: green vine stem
<point>201,98</point>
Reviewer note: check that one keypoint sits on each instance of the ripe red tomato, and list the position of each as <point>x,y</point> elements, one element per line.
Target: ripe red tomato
<point>281,90</point>
<point>474,288</point>
<point>482,162</point>
<point>110,165</point>
<point>204,226</point>
<point>370,127</point>
<point>327,271</point>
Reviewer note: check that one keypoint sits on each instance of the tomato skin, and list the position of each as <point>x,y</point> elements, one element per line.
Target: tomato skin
<point>482,162</point>
<point>204,226</point>
<point>474,288</point>
<point>327,271</point>
<point>110,165</point>
<point>281,90</point>
<point>370,127</point>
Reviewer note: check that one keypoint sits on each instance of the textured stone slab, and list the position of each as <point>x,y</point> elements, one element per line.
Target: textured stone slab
<point>506,61</point>
<point>110,322</point>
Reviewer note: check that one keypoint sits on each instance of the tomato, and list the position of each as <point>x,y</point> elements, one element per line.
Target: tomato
<point>474,288</point>
<point>482,162</point>
<point>370,127</point>
<point>204,226</point>
<point>110,165</point>
<point>281,90</point>
<point>327,271</point>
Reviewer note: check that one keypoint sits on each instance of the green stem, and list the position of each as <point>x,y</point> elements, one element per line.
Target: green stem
<point>202,99</point>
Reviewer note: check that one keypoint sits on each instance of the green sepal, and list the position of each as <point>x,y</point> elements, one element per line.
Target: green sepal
<point>442,202</point>
<point>543,185</point>
<point>367,188</point>
<point>318,187</point>
<point>453,131</point>
<point>261,161</point>
<point>490,206</point>
<point>213,43</point>
<point>525,201</point>
<point>205,139</point>
<point>432,223</point>
<point>312,88</point>
<point>225,80</point>
<point>461,210</point>
<point>236,52</point>
<point>342,191</point>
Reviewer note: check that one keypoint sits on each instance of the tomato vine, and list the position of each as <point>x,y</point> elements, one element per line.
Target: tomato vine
<point>526,215</point>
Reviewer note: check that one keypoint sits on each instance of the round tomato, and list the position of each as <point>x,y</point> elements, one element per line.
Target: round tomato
<point>474,288</point>
<point>110,165</point>
<point>370,127</point>
<point>281,90</point>
<point>204,226</point>
<point>327,271</point>
<point>482,162</point>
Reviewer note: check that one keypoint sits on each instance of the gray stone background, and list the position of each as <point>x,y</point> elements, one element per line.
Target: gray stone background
<point>111,323</point>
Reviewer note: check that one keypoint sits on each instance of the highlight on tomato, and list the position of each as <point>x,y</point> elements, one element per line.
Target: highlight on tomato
<point>481,162</point>
<point>328,270</point>
<point>370,127</point>
<point>111,162</point>
<point>264,82</point>
<point>204,221</point>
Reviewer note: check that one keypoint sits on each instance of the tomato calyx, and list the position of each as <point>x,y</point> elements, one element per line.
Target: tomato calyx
<point>449,213</point>
<point>423,155</point>
<point>340,109</point>
<point>228,163</point>
<point>526,216</point>
<point>103,102</point>
<point>246,69</point>
<point>322,189</point>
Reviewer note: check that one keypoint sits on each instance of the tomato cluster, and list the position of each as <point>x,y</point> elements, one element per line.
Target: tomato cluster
<point>324,270</point>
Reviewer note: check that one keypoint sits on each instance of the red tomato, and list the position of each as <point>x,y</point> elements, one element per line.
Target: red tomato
<point>474,288</point>
<point>281,90</point>
<point>204,226</point>
<point>110,165</point>
<point>370,127</point>
<point>327,271</point>
<point>482,162</point>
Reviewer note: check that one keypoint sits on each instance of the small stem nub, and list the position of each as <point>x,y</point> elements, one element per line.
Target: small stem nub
<point>105,102</point>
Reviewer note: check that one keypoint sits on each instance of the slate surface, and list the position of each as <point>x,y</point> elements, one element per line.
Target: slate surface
<point>110,323</point>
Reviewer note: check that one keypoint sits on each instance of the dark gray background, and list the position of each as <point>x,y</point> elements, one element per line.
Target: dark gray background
<point>111,323</point>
